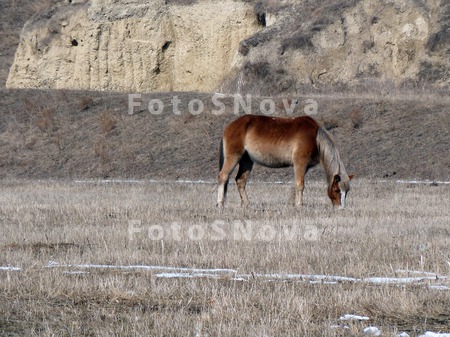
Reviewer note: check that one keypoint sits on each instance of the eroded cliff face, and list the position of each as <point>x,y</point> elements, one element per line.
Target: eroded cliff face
<point>267,48</point>
<point>372,43</point>
<point>376,40</point>
<point>132,45</point>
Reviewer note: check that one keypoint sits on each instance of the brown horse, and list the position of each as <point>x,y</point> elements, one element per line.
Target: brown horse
<point>280,142</point>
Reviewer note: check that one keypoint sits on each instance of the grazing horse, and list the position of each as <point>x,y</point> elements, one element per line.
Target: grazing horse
<point>280,142</point>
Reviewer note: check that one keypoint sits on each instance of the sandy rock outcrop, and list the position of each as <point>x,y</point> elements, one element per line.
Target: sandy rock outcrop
<point>132,45</point>
<point>262,47</point>
<point>374,44</point>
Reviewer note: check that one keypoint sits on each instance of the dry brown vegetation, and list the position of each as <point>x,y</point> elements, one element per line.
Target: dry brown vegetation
<point>45,134</point>
<point>386,228</point>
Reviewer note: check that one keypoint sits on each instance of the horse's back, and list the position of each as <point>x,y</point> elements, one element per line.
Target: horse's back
<point>276,128</point>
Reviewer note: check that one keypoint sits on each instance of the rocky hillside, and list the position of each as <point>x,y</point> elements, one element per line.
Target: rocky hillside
<point>368,45</point>
<point>262,47</point>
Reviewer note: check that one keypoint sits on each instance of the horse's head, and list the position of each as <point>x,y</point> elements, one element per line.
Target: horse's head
<point>338,190</point>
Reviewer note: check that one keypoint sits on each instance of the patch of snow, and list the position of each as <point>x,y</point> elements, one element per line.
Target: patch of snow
<point>422,182</point>
<point>312,278</point>
<point>336,326</point>
<point>417,272</point>
<point>349,317</point>
<point>438,287</point>
<point>186,272</point>
<point>372,331</point>
<point>187,275</point>
<point>435,334</point>
<point>397,280</point>
<point>75,272</point>
<point>323,282</point>
<point>403,334</point>
<point>109,181</point>
<point>53,264</point>
<point>134,181</point>
<point>10,268</point>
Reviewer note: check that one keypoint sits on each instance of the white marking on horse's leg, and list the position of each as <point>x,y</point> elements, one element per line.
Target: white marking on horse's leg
<point>300,171</point>
<point>300,196</point>
<point>220,194</point>
<point>343,200</point>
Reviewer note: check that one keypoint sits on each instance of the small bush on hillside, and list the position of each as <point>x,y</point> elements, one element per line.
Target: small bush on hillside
<point>85,103</point>
<point>438,41</point>
<point>180,2</point>
<point>45,119</point>
<point>298,41</point>
<point>356,116</point>
<point>430,73</point>
<point>107,121</point>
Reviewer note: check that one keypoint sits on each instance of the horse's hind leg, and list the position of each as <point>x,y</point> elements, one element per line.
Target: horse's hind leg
<point>245,167</point>
<point>229,164</point>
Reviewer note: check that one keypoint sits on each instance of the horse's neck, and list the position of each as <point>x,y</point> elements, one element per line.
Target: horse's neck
<point>333,166</point>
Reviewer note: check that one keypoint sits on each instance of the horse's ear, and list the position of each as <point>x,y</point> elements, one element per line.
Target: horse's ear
<point>337,178</point>
<point>351,176</point>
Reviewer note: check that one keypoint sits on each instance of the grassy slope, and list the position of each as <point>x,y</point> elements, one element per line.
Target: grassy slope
<point>48,134</point>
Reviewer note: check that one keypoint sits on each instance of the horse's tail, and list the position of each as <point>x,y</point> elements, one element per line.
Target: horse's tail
<point>221,156</point>
<point>221,161</point>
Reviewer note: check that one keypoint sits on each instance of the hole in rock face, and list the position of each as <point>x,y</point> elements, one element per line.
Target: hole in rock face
<point>262,19</point>
<point>166,45</point>
<point>74,42</point>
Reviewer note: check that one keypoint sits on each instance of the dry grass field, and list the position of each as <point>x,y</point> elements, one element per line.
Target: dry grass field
<point>157,259</point>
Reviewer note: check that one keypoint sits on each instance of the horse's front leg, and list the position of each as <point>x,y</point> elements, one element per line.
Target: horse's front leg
<point>300,172</point>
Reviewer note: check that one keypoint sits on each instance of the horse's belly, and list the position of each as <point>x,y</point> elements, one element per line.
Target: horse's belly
<point>269,159</point>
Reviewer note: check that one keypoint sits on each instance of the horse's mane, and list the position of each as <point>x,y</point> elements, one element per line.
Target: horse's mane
<point>329,156</point>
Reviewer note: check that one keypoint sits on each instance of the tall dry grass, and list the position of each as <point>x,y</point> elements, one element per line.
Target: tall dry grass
<point>386,228</point>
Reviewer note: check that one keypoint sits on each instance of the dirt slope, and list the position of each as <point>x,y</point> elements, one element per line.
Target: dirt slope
<point>66,134</point>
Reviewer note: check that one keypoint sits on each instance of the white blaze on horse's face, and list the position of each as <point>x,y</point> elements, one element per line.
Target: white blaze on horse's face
<point>343,193</point>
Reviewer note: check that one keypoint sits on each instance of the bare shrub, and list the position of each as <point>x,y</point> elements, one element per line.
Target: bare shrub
<point>181,2</point>
<point>107,121</point>
<point>58,140</point>
<point>101,150</point>
<point>329,123</point>
<point>85,103</point>
<point>356,116</point>
<point>31,143</point>
<point>438,41</point>
<point>45,120</point>
<point>432,72</point>
<point>261,78</point>
<point>298,41</point>
<point>271,6</point>
<point>41,5</point>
